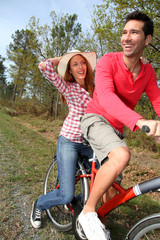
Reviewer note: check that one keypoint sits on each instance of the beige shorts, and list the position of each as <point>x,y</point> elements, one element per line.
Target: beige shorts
<point>101,135</point>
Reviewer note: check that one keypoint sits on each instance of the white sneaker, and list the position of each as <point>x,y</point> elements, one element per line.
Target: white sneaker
<point>93,228</point>
<point>107,233</point>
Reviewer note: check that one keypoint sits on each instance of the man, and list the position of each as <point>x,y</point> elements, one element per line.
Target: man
<point>120,80</point>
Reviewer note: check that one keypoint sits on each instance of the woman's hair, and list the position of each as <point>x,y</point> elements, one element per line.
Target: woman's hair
<point>68,77</point>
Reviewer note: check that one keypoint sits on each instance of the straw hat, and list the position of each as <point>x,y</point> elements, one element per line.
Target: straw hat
<point>62,65</point>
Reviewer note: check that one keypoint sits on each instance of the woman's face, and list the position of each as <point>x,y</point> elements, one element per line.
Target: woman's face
<point>78,69</point>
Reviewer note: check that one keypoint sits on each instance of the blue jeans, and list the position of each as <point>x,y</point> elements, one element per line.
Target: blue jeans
<point>67,154</point>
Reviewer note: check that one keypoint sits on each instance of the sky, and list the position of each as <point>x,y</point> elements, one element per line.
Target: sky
<point>15,15</point>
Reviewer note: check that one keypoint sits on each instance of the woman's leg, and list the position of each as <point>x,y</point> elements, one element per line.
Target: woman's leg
<point>66,160</point>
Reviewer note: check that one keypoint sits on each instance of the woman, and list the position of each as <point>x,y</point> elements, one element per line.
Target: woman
<point>75,83</point>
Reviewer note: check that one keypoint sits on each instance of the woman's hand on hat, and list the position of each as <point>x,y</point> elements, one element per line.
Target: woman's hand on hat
<point>43,66</point>
<point>55,61</point>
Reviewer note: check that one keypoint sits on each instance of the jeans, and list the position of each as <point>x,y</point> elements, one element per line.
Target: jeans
<point>67,154</point>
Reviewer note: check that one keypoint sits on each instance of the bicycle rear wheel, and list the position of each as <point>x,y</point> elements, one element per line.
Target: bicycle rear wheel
<point>60,215</point>
<point>146,229</point>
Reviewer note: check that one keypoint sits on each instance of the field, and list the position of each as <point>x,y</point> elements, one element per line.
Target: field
<point>26,149</point>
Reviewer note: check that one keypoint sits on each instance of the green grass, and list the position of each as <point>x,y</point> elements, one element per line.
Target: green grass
<point>123,218</point>
<point>32,151</point>
<point>25,157</point>
<point>140,141</point>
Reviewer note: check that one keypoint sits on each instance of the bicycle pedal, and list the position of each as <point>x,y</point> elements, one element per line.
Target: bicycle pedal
<point>76,205</point>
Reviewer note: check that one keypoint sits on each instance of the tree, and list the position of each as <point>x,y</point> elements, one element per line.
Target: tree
<point>106,28</point>
<point>3,83</point>
<point>65,32</point>
<point>32,45</point>
<point>53,41</point>
<point>63,37</point>
<point>23,53</point>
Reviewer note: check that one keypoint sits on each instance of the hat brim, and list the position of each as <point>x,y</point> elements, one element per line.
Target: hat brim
<point>89,56</point>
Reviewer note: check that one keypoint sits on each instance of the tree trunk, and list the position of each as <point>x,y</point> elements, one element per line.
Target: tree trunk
<point>56,110</point>
<point>14,92</point>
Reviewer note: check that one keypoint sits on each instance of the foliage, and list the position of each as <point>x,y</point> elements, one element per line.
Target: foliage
<point>64,35</point>
<point>65,32</point>
<point>36,42</point>
<point>23,53</point>
<point>108,21</point>
<point>6,89</point>
<point>29,47</point>
<point>145,108</point>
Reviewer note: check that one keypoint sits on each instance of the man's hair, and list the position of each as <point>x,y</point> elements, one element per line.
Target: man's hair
<point>139,16</point>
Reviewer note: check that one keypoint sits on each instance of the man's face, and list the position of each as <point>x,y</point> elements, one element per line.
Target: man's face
<point>133,39</point>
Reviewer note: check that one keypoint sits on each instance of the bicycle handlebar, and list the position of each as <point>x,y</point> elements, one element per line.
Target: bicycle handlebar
<point>145,129</point>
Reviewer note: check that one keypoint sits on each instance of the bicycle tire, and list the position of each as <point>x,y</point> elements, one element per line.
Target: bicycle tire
<point>60,215</point>
<point>146,229</point>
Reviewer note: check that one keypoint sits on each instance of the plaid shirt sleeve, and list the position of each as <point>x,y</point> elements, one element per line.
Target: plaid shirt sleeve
<point>53,77</point>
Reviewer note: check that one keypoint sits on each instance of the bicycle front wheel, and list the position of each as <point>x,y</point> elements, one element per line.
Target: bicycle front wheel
<point>60,215</point>
<point>146,229</point>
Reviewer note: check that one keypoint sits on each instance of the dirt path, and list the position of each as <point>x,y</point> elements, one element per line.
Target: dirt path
<point>14,206</point>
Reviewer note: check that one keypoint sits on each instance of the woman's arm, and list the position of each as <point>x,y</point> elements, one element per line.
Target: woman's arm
<point>47,69</point>
<point>55,62</point>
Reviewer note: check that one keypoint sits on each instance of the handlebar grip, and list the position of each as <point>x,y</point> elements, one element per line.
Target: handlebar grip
<point>145,129</point>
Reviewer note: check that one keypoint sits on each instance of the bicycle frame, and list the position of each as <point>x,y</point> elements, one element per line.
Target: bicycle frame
<point>123,195</point>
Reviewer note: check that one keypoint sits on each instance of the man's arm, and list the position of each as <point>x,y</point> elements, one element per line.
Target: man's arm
<point>152,91</point>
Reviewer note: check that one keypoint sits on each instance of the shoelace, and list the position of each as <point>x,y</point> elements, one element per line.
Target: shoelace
<point>37,214</point>
<point>94,221</point>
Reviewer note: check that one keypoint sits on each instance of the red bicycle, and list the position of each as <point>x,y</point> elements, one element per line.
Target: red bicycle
<point>65,218</point>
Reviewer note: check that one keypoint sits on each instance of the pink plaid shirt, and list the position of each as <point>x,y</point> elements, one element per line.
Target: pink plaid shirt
<point>77,99</point>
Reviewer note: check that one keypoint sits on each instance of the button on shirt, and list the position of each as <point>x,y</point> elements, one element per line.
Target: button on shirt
<point>77,99</point>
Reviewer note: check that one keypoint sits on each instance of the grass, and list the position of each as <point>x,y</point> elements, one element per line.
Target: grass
<point>25,157</point>
<point>141,141</point>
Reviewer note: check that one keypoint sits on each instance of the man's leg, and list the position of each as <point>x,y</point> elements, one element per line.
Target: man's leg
<point>106,141</point>
<point>106,197</point>
<point>118,159</point>
<point>106,175</point>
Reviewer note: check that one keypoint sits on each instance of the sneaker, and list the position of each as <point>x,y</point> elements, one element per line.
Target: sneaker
<point>107,233</point>
<point>93,228</point>
<point>35,216</point>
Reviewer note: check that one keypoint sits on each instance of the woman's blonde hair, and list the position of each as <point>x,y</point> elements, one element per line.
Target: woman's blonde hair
<point>89,85</point>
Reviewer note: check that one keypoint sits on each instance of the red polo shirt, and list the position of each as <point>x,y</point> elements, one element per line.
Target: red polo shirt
<point>116,94</point>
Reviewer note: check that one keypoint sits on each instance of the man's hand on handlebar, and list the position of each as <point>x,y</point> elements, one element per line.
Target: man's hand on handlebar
<point>153,125</point>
